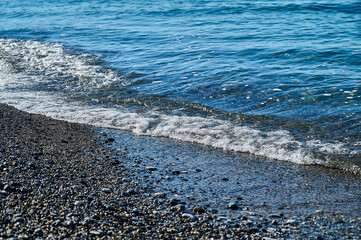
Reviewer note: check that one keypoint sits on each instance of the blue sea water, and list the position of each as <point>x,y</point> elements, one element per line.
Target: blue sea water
<point>273,78</point>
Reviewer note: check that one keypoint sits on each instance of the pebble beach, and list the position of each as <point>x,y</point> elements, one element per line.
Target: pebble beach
<point>180,119</point>
<point>60,180</point>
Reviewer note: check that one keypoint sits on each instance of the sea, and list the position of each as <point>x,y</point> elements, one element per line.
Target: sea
<point>275,79</point>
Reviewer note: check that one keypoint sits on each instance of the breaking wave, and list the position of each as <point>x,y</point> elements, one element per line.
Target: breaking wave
<point>38,77</point>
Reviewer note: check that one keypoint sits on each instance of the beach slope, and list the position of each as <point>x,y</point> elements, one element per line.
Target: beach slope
<point>62,180</point>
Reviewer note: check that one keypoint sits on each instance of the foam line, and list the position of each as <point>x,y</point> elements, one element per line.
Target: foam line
<point>27,63</point>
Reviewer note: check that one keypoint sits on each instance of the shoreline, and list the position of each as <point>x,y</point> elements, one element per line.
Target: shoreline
<point>214,178</point>
<point>63,180</point>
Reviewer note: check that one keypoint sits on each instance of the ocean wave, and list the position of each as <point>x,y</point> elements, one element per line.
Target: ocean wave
<point>348,8</point>
<point>26,64</point>
<point>55,65</point>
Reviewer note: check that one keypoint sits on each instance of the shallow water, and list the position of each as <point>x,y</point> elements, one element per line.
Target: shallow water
<point>213,178</point>
<point>275,79</point>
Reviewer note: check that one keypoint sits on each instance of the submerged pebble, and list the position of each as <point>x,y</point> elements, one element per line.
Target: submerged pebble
<point>233,206</point>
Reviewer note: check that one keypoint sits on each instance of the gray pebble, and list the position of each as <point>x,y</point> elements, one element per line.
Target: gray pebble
<point>338,220</point>
<point>106,190</point>
<point>187,215</point>
<point>180,207</point>
<point>291,222</point>
<point>159,195</point>
<point>78,203</point>
<point>68,223</point>
<point>10,211</point>
<point>18,220</point>
<point>96,233</point>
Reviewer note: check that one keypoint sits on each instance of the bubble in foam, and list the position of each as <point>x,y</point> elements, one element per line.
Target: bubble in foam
<point>47,62</point>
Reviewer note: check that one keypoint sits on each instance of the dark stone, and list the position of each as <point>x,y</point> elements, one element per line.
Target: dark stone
<point>151,169</point>
<point>176,172</point>
<point>338,220</point>
<point>131,191</point>
<point>32,165</point>
<point>198,210</point>
<point>83,182</point>
<point>88,221</point>
<point>274,222</point>
<point>69,224</point>
<point>18,220</point>
<point>114,162</point>
<point>233,206</point>
<point>8,188</point>
<point>250,230</point>
<point>50,161</point>
<point>16,184</point>
<point>173,201</point>
<point>36,155</point>
<point>3,192</point>
<point>38,232</point>
<point>125,194</point>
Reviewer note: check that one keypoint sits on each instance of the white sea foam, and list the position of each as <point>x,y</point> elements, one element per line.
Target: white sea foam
<point>53,63</point>
<point>215,133</point>
<point>332,148</point>
<point>51,60</point>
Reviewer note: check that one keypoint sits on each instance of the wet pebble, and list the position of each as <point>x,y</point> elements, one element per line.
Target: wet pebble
<point>68,223</point>
<point>176,172</point>
<point>96,233</point>
<point>38,232</point>
<point>151,169</point>
<point>18,219</point>
<point>187,215</point>
<point>159,195</point>
<point>233,206</point>
<point>180,207</point>
<point>199,210</point>
<point>106,190</point>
